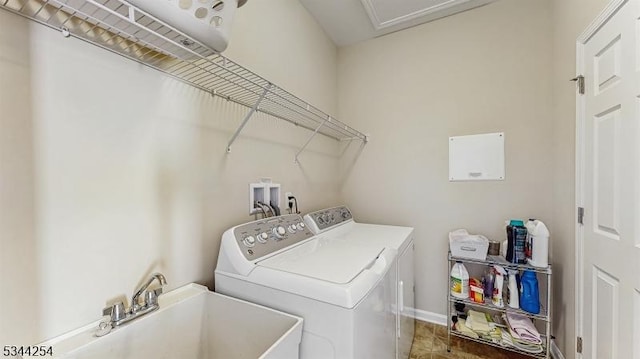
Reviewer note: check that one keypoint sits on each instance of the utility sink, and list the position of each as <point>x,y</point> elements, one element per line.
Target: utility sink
<point>192,322</point>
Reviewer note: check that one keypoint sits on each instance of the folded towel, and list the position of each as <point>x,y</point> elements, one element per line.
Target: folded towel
<point>508,340</point>
<point>461,327</point>
<point>477,321</point>
<point>522,328</point>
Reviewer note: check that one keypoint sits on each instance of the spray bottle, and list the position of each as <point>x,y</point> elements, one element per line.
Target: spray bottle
<point>497,286</point>
<point>513,294</point>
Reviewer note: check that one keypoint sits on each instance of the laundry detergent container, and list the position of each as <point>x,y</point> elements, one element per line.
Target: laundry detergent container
<point>206,21</point>
<point>529,293</point>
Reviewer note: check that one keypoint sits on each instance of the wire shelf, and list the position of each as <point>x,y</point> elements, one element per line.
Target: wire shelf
<point>499,260</point>
<point>542,355</point>
<point>120,27</point>
<point>488,306</point>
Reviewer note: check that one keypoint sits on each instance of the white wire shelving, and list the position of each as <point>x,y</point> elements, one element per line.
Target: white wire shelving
<point>120,27</point>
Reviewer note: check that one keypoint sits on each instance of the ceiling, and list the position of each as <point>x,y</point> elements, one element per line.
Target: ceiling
<point>350,21</point>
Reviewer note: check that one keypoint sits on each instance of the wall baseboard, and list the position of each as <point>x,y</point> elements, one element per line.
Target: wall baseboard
<point>555,351</point>
<point>431,317</point>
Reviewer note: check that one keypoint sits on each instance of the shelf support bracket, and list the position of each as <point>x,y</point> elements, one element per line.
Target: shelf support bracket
<point>248,116</point>
<point>295,160</point>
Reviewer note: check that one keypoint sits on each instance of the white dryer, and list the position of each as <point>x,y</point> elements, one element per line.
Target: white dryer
<point>337,224</point>
<point>345,292</point>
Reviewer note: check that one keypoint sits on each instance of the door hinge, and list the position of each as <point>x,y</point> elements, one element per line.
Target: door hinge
<point>580,82</point>
<point>579,345</point>
<point>581,215</point>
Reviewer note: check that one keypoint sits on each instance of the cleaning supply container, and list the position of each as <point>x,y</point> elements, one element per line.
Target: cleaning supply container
<point>529,293</point>
<point>516,242</point>
<point>459,281</point>
<point>513,293</point>
<point>487,282</point>
<point>537,248</point>
<point>476,290</point>
<point>496,299</point>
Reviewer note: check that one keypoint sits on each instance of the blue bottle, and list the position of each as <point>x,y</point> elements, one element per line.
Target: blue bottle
<point>529,294</point>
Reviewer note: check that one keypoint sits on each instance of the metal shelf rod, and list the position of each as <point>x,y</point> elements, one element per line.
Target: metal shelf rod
<point>247,118</point>
<point>295,160</point>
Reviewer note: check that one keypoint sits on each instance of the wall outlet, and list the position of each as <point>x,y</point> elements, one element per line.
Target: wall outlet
<point>289,200</point>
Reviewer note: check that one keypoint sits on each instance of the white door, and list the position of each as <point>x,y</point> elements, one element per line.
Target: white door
<point>609,184</point>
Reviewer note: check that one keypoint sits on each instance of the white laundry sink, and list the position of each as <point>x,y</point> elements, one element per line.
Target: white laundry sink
<point>192,322</point>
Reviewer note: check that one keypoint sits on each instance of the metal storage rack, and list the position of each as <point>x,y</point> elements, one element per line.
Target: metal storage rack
<point>124,29</point>
<point>545,307</point>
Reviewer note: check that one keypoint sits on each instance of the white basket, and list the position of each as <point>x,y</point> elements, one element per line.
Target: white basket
<point>207,21</point>
<point>465,245</point>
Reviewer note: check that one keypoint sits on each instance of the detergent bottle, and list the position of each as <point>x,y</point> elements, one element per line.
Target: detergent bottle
<point>516,242</point>
<point>537,247</point>
<point>459,281</point>
<point>529,294</point>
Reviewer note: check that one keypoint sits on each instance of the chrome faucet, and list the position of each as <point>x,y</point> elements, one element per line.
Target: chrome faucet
<point>117,313</point>
<point>151,298</point>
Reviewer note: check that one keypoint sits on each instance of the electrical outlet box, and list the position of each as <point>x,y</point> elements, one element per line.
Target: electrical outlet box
<point>265,192</point>
<point>477,157</point>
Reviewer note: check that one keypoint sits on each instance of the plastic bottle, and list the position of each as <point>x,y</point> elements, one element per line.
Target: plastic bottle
<point>516,242</point>
<point>530,226</point>
<point>513,292</point>
<point>489,278</point>
<point>459,281</point>
<point>529,294</point>
<point>496,299</point>
<point>537,252</point>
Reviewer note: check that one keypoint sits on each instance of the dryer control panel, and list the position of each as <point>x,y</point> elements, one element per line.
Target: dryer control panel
<point>259,238</point>
<point>322,220</point>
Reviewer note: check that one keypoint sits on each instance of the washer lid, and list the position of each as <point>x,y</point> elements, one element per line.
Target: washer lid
<point>332,260</point>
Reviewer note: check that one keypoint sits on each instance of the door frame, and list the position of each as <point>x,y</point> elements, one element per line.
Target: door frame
<point>606,14</point>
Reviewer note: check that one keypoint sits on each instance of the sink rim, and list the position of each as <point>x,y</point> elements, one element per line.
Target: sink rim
<point>79,338</point>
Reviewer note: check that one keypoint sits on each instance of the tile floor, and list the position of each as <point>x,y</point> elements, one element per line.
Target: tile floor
<point>430,342</point>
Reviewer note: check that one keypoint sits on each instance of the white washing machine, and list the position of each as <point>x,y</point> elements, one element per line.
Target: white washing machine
<point>337,224</point>
<point>346,292</point>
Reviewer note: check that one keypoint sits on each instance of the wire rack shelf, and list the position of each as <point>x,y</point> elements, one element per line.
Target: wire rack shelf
<point>124,29</point>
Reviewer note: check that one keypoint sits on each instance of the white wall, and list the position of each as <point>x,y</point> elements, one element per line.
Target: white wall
<point>110,170</point>
<point>485,70</point>
<point>570,18</point>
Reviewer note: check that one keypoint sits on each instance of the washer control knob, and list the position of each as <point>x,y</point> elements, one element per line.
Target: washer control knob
<point>301,226</point>
<point>262,237</point>
<point>249,241</point>
<point>345,215</point>
<point>292,228</point>
<point>279,232</point>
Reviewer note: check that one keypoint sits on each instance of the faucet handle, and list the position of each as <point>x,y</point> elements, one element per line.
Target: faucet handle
<point>151,297</point>
<point>116,312</point>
